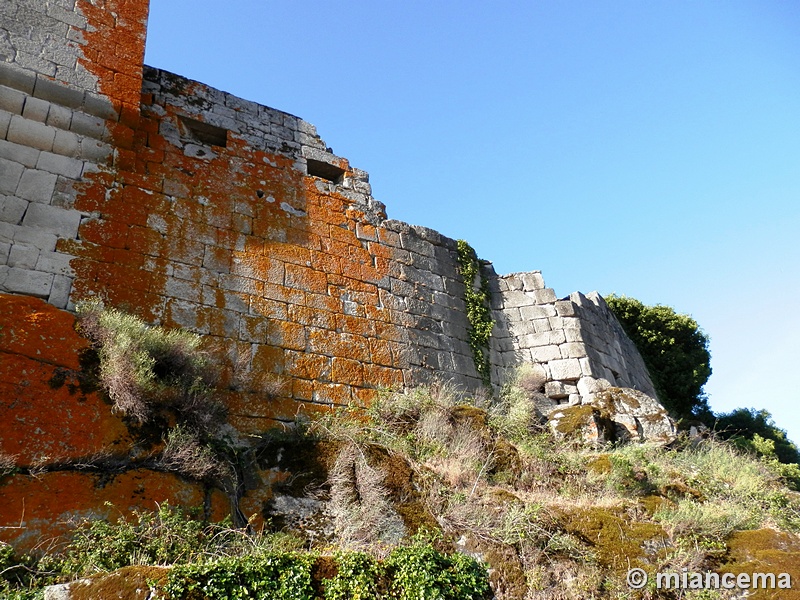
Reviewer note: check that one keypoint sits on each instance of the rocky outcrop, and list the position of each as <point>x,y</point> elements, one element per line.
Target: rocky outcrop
<point>614,414</point>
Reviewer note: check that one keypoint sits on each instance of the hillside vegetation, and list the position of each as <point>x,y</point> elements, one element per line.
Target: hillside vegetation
<point>428,494</point>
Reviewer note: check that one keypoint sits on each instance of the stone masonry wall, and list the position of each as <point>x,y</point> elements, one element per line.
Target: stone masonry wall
<point>70,82</point>
<point>193,208</point>
<point>576,341</point>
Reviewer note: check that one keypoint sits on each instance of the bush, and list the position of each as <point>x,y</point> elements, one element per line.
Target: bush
<point>168,536</point>
<point>358,578</point>
<point>420,571</point>
<point>148,369</point>
<point>675,350</point>
<point>270,577</point>
<point>745,424</point>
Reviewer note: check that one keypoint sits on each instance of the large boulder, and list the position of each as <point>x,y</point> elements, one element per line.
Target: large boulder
<point>614,415</point>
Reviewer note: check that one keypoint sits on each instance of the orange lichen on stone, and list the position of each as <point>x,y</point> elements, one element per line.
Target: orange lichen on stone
<point>239,245</point>
<point>51,410</point>
<point>114,50</point>
<point>38,509</point>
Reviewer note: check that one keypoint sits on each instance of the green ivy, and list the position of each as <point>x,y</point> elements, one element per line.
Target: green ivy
<point>419,571</point>
<point>358,578</point>
<point>284,576</point>
<point>478,309</point>
<point>414,572</point>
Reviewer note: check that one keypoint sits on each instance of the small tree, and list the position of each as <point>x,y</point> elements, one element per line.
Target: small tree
<point>675,350</point>
<point>749,423</point>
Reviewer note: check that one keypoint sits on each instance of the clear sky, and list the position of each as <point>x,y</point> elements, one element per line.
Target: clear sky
<point>645,148</point>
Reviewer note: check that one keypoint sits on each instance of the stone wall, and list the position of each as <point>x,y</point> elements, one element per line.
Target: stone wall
<point>576,341</point>
<point>193,208</point>
<point>70,82</point>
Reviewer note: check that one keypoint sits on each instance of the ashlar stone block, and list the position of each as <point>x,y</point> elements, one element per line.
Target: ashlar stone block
<point>22,256</point>
<point>532,281</point>
<point>545,354</point>
<point>37,186</point>
<point>537,312</point>
<point>30,283</point>
<point>60,165</point>
<point>30,133</point>
<point>36,109</point>
<point>573,350</point>
<point>10,175</point>
<point>20,154</point>
<point>62,222</point>
<point>565,369</point>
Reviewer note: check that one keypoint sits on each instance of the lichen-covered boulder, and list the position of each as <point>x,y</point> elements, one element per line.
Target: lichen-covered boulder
<point>614,414</point>
<point>127,583</point>
<point>637,416</point>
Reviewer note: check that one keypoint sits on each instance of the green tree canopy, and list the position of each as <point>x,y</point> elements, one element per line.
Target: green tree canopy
<point>675,350</point>
<point>746,423</point>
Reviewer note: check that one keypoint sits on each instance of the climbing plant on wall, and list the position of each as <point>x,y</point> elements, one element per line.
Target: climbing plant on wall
<point>479,314</point>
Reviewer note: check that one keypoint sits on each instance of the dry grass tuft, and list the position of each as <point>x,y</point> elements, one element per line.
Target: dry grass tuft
<point>359,502</point>
<point>184,453</point>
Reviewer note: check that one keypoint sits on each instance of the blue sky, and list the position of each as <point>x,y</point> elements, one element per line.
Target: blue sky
<point>645,148</point>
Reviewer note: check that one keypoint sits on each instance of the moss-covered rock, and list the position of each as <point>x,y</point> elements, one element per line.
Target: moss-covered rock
<point>766,551</point>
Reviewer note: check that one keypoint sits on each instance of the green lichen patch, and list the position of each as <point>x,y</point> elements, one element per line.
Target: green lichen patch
<point>766,551</point>
<point>618,541</point>
<point>128,583</point>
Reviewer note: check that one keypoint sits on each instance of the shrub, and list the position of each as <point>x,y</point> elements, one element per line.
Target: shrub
<point>675,350</point>
<point>167,536</point>
<point>270,577</point>
<point>148,369</point>
<point>420,571</point>
<point>744,424</point>
<point>359,577</point>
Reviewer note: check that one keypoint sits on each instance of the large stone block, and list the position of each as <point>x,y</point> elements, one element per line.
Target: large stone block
<point>59,292</point>
<point>37,186</point>
<point>534,312</point>
<point>12,101</point>
<point>565,369</point>
<point>532,281</point>
<point>60,165</point>
<point>41,239</point>
<point>29,283</point>
<point>54,262</point>
<point>5,121</point>
<point>36,109</point>
<point>10,175</point>
<point>62,222</point>
<point>23,257</point>
<point>30,133</point>
<point>543,354</point>
<point>20,154</point>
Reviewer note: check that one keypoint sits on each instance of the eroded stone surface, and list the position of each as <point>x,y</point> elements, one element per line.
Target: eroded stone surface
<point>614,414</point>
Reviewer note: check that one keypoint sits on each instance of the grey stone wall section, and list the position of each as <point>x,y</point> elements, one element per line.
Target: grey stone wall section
<point>44,37</point>
<point>47,102</point>
<point>577,342</point>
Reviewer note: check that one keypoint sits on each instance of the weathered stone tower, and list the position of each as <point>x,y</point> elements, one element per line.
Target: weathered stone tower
<point>192,208</point>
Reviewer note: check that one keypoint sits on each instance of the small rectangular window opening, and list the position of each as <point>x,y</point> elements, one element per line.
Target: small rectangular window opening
<point>317,168</point>
<point>205,133</point>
